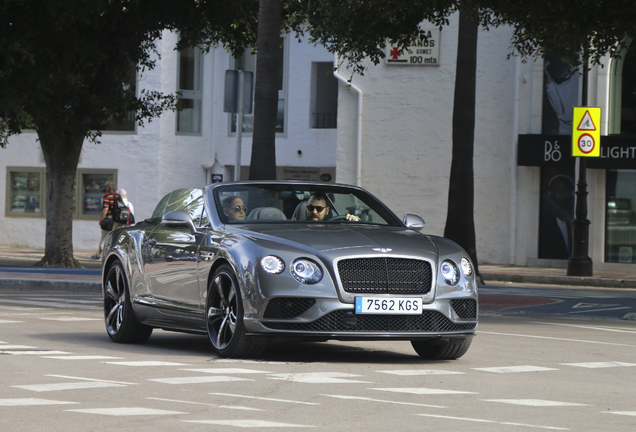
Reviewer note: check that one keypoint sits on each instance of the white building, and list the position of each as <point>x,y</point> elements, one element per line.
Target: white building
<point>393,137</point>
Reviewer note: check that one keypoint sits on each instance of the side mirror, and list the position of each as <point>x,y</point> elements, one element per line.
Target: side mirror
<point>179,219</point>
<point>413,222</point>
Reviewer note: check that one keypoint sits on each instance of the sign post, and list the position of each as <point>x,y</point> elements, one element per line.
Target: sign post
<point>586,142</point>
<point>238,100</point>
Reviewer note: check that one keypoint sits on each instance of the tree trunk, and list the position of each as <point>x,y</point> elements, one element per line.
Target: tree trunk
<point>61,154</point>
<point>460,222</point>
<point>263,160</point>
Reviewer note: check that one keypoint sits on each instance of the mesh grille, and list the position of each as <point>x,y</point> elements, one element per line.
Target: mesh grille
<point>429,321</point>
<point>385,276</point>
<point>465,308</point>
<point>288,307</point>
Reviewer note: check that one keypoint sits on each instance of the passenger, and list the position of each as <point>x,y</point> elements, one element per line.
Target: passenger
<point>317,208</point>
<point>234,208</point>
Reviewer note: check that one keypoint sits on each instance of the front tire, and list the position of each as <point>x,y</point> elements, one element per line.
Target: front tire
<point>121,324</point>
<point>224,317</point>
<point>442,348</point>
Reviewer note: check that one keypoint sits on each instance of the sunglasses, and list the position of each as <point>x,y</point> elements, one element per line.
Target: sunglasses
<point>319,209</point>
<point>239,208</point>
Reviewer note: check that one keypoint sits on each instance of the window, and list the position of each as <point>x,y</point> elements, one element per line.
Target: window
<point>25,194</point>
<point>26,187</point>
<point>189,85</point>
<point>622,115</point>
<point>620,216</point>
<point>127,124</point>
<point>324,96</point>
<point>247,62</point>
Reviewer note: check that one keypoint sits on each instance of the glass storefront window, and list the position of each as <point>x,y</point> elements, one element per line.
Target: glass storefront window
<point>92,192</point>
<point>620,216</point>
<point>25,192</point>
<point>189,85</point>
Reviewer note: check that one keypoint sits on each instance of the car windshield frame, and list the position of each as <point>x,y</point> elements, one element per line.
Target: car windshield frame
<point>283,198</point>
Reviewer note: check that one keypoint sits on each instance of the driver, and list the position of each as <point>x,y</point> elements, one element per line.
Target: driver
<point>234,208</point>
<point>317,208</point>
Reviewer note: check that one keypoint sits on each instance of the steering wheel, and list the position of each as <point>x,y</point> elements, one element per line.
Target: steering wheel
<point>339,218</point>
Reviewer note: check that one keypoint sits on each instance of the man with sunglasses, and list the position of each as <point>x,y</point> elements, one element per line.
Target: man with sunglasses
<point>317,208</point>
<point>234,208</point>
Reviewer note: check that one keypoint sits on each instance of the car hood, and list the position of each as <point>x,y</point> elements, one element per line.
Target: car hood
<point>340,240</point>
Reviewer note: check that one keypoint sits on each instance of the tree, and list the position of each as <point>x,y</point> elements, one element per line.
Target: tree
<point>62,68</point>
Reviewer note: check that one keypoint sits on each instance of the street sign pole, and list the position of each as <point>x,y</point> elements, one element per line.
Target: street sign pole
<point>239,126</point>
<point>580,264</point>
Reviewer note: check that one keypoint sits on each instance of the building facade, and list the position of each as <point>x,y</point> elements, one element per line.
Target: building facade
<point>390,131</point>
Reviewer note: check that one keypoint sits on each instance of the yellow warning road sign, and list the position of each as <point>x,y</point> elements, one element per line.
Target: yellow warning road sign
<point>586,131</point>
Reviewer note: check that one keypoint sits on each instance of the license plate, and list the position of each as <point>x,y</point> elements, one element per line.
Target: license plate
<point>389,306</point>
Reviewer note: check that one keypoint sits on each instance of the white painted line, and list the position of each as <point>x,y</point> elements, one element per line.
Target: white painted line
<point>421,372</point>
<point>382,401</point>
<point>535,402</point>
<point>33,352</point>
<point>607,329</point>
<point>49,304</point>
<point>422,391</point>
<point>91,379</point>
<point>600,310</point>
<point>265,399</point>
<point>318,378</point>
<point>227,371</point>
<point>248,423</point>
<point>492,421</point>
<point>145,363</point>
<point>236,407</point>
<point>515,369</point>
<point>132,411</point>
<point>17,347</point>
<point>626,413</point>
<point>70,319</point>
<point>67,386</point>
<point>9,322</point>
<point>555,338</point>
<point>85,357</point>
<point>31,402</point>
<point>198,380</point>
<point>598,365</point>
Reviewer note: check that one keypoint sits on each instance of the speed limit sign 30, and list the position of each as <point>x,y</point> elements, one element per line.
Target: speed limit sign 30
<point>586,134</point>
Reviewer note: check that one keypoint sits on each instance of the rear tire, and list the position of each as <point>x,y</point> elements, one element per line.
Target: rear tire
<point>442,348</point>
<point>224,317</point>
<point>121,324</point>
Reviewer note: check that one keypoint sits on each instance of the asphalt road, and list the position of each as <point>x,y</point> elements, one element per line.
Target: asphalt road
<point>60,372</point>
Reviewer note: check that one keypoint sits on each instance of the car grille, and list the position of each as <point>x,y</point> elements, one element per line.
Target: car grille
<point>385,276</point>
<point>343,321</point>
<point>287,307</point>
<point>465,308</point>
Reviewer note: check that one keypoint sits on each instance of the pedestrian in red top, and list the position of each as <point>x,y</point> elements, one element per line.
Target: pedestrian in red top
<point>106,222</point>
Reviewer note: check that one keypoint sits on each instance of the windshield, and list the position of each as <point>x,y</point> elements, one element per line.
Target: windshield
<point>298,203</point>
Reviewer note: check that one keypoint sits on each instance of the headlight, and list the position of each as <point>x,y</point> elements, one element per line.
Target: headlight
<point>450,272</point>
<point>306,271</point>
<point>467,267</point>
<point>272,264</point>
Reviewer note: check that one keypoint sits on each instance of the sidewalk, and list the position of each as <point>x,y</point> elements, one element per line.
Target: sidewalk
<point>17,271</point>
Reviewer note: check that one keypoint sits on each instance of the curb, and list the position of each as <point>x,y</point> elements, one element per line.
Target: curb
<point>560,280</point>
<point>51,285</point>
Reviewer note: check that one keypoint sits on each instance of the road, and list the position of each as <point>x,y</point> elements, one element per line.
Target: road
<point>60,372</point>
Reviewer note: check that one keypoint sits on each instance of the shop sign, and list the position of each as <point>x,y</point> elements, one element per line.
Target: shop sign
<point>421,52</point>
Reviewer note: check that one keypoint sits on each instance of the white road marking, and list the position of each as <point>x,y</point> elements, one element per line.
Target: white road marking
<point>248,423</point>
<point>554,338</point>
<point>33,352</point>
<point>228,371</point>
<point>515,369</point>
<point>535,402</point>
<point>85,357</point>
<point>145,363</point>
<point>627,413</point>
<point>31,402</point>
<point>9,322</point>
<point>318,378</point>
<point>422,391</point>
<point>236,407</point>
<point>198,380</point>
<point>421,372</point>
<point>51,304</point>
<point>91,379</point>
<point>587,327</point>
<point>492,421</point>
<point>382,401</point>
<point>69,319</point>
<point>16,347</point>
<point>597,365</point>
<point>67,386</point>
<point>125,411</point>
<point>600,310</point>
<point>265,399</point>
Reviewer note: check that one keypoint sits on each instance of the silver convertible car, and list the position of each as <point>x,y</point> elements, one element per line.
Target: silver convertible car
<point>253,263</point>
